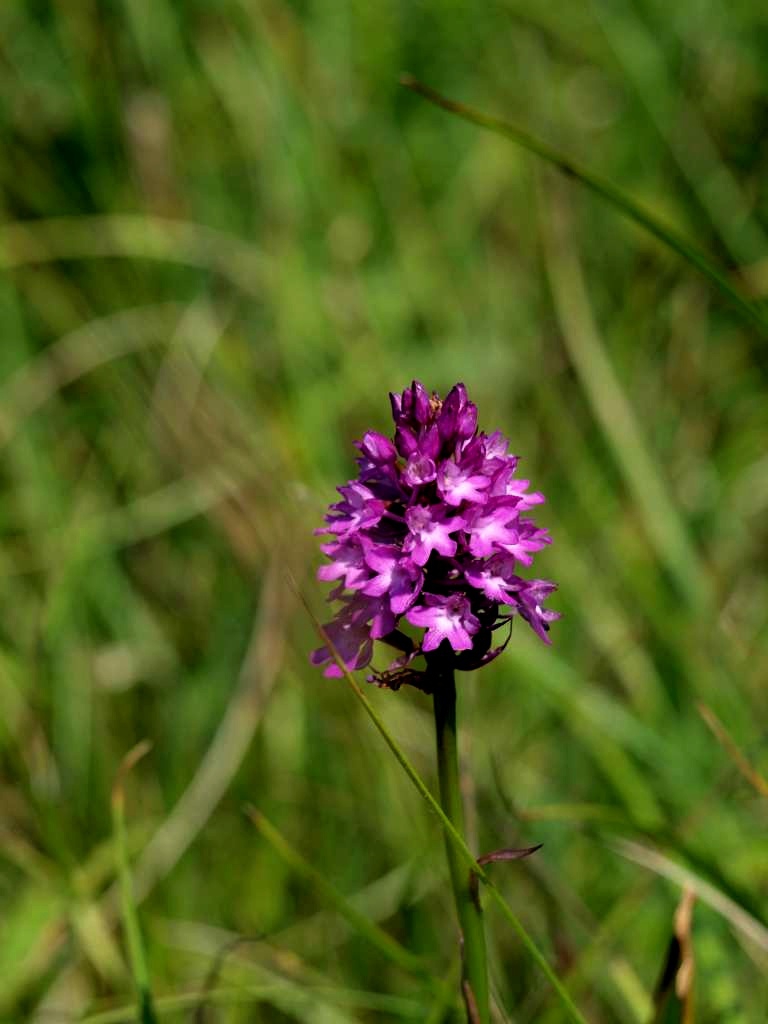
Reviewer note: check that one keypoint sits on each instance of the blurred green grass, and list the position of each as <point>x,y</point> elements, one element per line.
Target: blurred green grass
<point>227,232</point>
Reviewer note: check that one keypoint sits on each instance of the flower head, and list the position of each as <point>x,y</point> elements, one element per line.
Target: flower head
<point>432,532</point>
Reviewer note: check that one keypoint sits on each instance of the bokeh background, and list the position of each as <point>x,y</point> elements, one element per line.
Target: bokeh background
<point>227,232</point>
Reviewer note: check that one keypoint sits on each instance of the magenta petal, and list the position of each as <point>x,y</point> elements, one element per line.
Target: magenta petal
<point>383,623</point>
<point>405,587</point>
<point>396,401</point>
<point>420,407</point>
<point>352,643</point>
<point>496,446</point>
<point>377,447</point>
<point>431,641</point>
<point>466,421</point>
<point>421,616</point>
<point>405,442</point>
<point>380,557</point>
<point>377,586</point>
<point>446,618</point>
<point>494,577</point>
<point>458,638</point>
<point>419,470</point>
<point>456,484</point>
<point>429,443</point>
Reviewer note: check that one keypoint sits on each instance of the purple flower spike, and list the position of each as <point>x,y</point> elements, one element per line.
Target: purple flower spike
<point>431,534</point>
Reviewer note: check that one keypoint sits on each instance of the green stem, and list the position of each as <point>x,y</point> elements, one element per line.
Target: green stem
<point>452,835</point>
<point>475,967</point>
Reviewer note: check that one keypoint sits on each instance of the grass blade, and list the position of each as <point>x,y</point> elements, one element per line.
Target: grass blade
<point>613,409</point>
<point>385,944</point>
<point>146,1010</point>
<point>718,730</point>
<point>614,196</point>
<point>739,918</point>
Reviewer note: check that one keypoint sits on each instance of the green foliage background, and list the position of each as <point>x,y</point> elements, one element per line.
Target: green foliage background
<point>227,233</point>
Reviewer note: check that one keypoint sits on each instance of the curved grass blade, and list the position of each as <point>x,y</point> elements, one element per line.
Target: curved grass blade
<point>729,909</point>
<point>146,1009</point>
<point>507,912</point>
<point>718,730</point>
<point>749,312</point>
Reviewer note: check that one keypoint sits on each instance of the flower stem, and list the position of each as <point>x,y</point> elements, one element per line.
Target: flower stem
<point>475,967</point>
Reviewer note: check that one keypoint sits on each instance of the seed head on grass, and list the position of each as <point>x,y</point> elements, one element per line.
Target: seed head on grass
<point>433,531</point>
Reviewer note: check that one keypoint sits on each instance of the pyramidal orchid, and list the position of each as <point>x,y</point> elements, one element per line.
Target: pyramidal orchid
<point>427,548</point>
<point>434,531</point>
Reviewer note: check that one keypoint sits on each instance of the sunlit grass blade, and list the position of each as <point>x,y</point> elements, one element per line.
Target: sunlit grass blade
<point>736,915</point>
<point>146,1011</point>
<point>312,1005</point>
<point>385,944</point>
<point>507,912</point>
<point>614,196</point>
<point>130,236</point>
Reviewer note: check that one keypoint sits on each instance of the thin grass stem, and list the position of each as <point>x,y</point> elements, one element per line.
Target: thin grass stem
<point>138,960</point>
